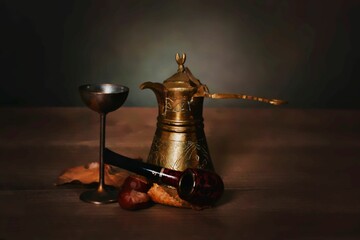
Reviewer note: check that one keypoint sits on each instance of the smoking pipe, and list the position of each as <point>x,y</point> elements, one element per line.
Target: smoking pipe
<point>196,186</point>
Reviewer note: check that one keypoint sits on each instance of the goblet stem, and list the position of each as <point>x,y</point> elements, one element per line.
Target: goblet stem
<point>103,194</point>
<point>101,157</point>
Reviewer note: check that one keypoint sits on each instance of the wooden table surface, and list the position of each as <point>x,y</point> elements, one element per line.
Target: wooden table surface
<point>288,174</point>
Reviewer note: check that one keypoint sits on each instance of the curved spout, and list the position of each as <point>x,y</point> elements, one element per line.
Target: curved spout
<point>159,90</point>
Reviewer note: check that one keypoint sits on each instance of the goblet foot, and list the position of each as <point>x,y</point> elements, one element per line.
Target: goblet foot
<point>104,196</point>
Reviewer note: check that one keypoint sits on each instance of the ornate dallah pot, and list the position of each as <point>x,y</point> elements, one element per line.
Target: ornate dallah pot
<point>179,142</point>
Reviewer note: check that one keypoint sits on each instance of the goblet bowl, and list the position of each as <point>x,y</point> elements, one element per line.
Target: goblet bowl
<point>104,97</point>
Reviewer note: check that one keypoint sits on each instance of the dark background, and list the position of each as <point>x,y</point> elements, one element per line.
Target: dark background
<point>306,52</point>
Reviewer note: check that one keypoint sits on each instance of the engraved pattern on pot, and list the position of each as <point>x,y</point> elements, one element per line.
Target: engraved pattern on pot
<point>177,105</point>
<point>155,156</point>
<point>195,154</point>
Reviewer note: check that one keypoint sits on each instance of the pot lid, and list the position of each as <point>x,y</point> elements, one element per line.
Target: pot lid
<point>183,78</point>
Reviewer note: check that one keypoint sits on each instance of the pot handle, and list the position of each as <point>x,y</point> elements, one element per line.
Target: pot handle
<point>243,96</point>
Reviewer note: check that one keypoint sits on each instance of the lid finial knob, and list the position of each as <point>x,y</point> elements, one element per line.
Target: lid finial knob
<point>180,61</point>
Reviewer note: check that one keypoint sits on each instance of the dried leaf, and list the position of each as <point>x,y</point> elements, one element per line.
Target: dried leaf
<point>89,173</point>
<point>167,196</point>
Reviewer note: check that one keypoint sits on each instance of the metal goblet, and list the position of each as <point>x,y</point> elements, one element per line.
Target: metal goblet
<point>102,98</point>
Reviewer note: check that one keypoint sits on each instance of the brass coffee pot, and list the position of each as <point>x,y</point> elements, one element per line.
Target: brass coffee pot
<point>179,142</point>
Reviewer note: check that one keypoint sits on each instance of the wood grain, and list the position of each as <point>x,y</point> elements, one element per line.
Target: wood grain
<point>288,173</point>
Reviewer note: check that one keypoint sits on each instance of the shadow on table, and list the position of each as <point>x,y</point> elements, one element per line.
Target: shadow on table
<point>231,194</point>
